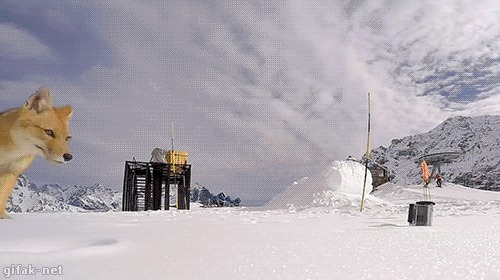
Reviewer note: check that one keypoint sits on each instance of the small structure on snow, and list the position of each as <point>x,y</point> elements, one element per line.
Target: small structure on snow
<point>380,174</point>
<point>146,185</point>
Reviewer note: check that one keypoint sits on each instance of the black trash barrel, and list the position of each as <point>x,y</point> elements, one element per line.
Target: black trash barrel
<point>411,214</point>
<point>420,213</point>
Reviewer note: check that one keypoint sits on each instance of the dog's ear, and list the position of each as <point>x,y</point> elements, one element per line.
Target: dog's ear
<point>65,112</point>
<point>39,101</point>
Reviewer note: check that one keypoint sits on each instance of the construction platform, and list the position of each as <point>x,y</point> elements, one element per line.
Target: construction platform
<point>146,185</point>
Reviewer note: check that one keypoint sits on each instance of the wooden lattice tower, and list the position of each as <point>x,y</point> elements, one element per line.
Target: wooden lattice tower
<point>146,185</point>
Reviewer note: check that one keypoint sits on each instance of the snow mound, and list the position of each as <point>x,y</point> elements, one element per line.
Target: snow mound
<point>340,182</point>
<point>352,175</point>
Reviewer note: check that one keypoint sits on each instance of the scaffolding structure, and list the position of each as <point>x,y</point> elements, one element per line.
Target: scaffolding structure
<point>146,185</point>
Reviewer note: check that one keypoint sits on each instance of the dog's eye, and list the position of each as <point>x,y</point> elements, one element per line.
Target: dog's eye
<point>49,132</point>
<point>67,138</point>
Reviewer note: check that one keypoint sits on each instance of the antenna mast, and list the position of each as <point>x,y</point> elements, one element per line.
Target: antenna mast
<point>367,154</point>
<point>172,138</point>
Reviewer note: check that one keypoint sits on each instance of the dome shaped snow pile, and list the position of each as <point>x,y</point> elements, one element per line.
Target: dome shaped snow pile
<point>344,177</point>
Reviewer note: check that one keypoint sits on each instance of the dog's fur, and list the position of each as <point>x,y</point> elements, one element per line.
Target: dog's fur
<point>37,128</point>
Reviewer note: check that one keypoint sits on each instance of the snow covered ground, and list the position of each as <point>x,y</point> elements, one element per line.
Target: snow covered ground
<point>325,238</point>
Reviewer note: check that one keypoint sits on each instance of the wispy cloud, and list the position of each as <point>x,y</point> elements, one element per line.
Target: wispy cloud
<point>430,48</point>
<point>19,44</point>
<point>261,93</point>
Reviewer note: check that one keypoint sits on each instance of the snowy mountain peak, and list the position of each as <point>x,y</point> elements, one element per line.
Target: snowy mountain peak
<point>476,137</point>
<point>28,197</point>
<point>93,198</point>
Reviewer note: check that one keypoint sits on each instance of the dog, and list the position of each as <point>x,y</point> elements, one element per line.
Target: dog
<point>37,128</point>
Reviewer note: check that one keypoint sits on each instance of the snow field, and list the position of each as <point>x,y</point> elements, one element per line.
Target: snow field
<point>318,234</point>
<point>315,243</point>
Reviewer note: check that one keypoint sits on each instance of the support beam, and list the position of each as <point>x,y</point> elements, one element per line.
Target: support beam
<point>147,191</point>
<point>188,187</point>
<point>167,187</point>
<point>181,193</point>
<point>126,189</point>
<point>157,179</point>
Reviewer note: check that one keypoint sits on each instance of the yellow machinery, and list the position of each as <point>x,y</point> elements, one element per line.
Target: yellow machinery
<point>175,158</point>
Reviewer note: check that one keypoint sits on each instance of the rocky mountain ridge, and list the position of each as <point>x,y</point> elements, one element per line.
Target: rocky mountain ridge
<point>28,197</point>
<point>478,138</point>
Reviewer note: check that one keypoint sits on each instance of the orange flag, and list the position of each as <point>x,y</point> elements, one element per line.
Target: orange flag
<point>425,171</point>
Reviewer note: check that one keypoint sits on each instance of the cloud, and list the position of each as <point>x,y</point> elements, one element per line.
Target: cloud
<point>243,97</point>
<point>441,48</point>
<point>49,39</point>
<point>431,55</point>
<point>263,93</point>
<point>18,44</point>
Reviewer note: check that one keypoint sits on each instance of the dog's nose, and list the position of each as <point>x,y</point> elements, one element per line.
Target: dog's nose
<point>67,157</point>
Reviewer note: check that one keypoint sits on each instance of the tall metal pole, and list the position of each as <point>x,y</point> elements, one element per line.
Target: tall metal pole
<point>172,139</point>
<point>367,157</point>
<point>173,169</point>
<point>172,154</point>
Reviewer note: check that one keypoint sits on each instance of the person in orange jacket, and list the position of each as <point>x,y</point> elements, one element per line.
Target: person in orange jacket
<point>438,180</point>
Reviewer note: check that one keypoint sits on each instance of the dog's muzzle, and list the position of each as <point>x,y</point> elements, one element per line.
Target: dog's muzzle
<point>67,157</point>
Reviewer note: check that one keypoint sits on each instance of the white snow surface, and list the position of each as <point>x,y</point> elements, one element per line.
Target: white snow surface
<point>329,239</point>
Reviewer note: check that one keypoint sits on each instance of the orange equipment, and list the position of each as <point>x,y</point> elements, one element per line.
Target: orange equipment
<point>425,171</point>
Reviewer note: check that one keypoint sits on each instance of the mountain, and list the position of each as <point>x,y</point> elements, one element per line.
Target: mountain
<point>476,137</point>
<point>28,197</point>
<point>202,195</point>
<point>93,198</point>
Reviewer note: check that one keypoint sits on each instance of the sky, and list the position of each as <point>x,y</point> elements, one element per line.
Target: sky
<point>261,93</point>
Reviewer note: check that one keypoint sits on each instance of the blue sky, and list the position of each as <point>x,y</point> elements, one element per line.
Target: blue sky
<point>262,93</point>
